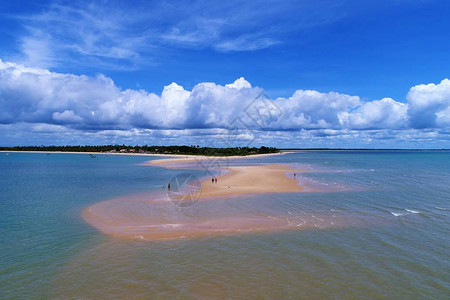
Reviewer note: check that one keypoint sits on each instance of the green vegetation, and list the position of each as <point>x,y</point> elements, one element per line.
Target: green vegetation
<point>182,150</point>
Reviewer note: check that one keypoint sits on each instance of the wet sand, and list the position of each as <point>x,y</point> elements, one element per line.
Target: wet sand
<point>154,217</point>
<point>202,160</point>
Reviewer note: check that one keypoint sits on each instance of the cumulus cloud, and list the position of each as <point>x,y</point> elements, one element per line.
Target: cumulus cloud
<point>384,113</point>
<point>96,104</point>
<point>239,83</point>
<point>37,95</point>
<point>311,109</point>
<point>67,116</point>
<point>429,105</point>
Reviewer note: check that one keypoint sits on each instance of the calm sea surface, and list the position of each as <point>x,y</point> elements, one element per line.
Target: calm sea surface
<point>393,241</point>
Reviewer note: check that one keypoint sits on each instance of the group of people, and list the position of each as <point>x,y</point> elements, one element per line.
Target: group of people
<point>213,180</point>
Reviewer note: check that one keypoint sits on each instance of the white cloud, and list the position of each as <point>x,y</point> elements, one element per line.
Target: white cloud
<point>312,109</point>
<point>429,104</point>
<point>66,117</point>
<point>239,83</point>
<point>96,104</point>
<point>384,113</point>
<point>36,50</point>
<point>245,43</point>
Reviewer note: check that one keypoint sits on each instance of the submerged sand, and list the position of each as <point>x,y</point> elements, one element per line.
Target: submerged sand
<point>154,216</point>
<point>204,160</point>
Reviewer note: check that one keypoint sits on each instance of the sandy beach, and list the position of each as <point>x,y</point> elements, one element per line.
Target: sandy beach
<point>252,180</point>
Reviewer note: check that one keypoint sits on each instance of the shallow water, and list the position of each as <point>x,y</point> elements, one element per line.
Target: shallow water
<point>394,243</point>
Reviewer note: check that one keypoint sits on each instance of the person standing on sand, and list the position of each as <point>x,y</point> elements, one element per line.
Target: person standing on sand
<point>215,179</point>
<point>212,180</point>
<point>168,186</point>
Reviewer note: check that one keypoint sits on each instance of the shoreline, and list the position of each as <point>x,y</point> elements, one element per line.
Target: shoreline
<point>150,154</point>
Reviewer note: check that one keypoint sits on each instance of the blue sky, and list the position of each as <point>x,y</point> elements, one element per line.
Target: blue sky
<point>335,73</point>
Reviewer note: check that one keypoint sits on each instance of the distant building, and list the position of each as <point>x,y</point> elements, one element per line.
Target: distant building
<point>113,151</point>
<point>132,150</point>
<point>123,150</point>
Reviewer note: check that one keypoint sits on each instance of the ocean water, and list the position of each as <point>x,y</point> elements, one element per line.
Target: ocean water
<point>392,242</point>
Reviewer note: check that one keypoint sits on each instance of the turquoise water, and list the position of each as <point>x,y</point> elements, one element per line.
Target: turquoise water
<point>395,242</point>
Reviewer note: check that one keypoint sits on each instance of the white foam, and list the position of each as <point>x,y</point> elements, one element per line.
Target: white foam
<point>313,216</point>
<point>442,208</point>
<point>397,214</point>
<point>412,211</point>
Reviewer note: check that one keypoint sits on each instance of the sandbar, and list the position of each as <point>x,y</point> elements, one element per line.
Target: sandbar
<point>156,217</point>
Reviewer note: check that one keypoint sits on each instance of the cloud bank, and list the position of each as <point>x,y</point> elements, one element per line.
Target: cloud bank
<point>45,102</point>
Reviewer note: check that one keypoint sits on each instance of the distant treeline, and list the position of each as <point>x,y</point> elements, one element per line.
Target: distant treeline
<point>184,150</point>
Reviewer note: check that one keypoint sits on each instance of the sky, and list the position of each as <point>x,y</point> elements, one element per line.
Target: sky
<point>303,73</point>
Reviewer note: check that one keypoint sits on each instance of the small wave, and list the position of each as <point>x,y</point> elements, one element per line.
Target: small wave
<point>442,208</point>
<point>412,211</point>
<point>397,214</point>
